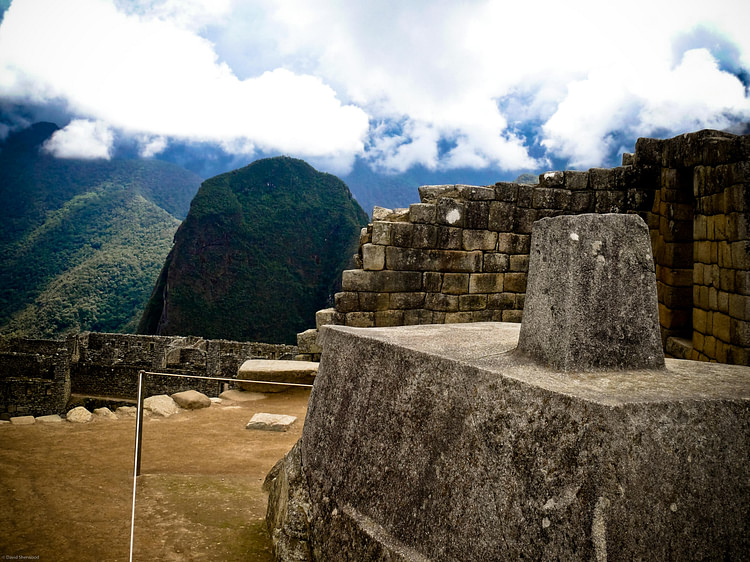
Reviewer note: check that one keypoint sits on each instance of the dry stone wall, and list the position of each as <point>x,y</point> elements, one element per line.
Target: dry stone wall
<point>461,254</point>
<point>37,377</point>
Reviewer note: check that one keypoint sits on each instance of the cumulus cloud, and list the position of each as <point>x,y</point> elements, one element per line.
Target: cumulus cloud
<point>436,84</point>
<point>145,74</point>
<point>81,138</point>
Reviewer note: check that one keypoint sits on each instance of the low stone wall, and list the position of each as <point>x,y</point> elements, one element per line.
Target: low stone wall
<point>37,377</point>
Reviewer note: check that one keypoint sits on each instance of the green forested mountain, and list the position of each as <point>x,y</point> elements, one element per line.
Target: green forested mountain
<point>82,241</point>
<point>260,251</point>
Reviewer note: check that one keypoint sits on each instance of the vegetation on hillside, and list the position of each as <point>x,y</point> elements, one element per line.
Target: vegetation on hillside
<point>81,241</point>
<point>261,250</point>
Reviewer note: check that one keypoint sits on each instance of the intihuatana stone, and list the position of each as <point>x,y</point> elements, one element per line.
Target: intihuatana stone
<point>591,295</point>
<point>191,399</point>
<point>79,415</point>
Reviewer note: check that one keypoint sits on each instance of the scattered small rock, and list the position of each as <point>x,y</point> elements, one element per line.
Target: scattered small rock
<point>52,418</point>
<point>241,395</point>
<point>215,400</point>
<point>22,420</point>
<point>105,413</point>
<point>126,412</point>
<point>161,405</point>
<point>79,415</point>
<point>271,422</point>
<point>191,400</point>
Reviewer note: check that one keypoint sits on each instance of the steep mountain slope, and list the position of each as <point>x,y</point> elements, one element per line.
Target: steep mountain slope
<point>81,241</point>
<point>260,251</point>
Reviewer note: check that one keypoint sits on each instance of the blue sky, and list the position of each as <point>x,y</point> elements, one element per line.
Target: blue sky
<point>508,86</point>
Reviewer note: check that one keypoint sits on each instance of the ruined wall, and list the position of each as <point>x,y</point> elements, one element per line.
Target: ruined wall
<point>37,377</point>
<point>108,364</point>
<point>34,376</point>
<point>461,254</point>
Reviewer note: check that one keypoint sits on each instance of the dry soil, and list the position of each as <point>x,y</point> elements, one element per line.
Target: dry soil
<point>66,489</point>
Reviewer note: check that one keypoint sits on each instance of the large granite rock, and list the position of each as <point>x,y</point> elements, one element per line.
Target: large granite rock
<point>297,372</point>
<point>79,415</point>
<point>591,295</point>
<point>444,446</point>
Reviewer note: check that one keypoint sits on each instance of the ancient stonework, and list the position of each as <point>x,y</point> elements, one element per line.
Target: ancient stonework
<point>462,253</point>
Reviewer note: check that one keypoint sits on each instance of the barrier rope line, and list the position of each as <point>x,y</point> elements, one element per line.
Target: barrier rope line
<point>139,427</point>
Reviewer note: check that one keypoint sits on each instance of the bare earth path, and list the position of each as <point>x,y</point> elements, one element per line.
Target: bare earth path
<point>66,489</point>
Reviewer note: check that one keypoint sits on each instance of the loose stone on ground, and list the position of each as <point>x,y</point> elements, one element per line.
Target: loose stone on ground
<point>241,395</point>
<point>79,415</point>
<point>52,418</point>
<point>105,413</point>
<point>271,422</point>
<point>161,405</point>
<point>22,420</point>
<point>191,400</point>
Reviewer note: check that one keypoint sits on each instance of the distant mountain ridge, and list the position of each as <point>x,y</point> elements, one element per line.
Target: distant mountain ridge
<point>261,250</point>
<point>82,240</point>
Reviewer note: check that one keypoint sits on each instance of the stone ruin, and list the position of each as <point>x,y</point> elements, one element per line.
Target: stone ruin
<point>567,437</point>
<point>462,253</point>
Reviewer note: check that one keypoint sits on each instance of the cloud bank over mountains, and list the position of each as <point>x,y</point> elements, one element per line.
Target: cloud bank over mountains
<point>442,85</point>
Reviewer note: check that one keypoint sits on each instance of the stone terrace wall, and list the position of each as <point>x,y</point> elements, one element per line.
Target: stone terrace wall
<point>108,364</point>
<point>34,376</point>
<point>461,254</point>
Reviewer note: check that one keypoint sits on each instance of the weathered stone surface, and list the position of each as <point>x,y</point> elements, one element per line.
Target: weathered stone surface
<point>22,420</point>
<point>79,415</point>
<point>126,412</point>
<point>51,418</point>
<point>105,413</point>
<point>444,447</point>
<point>594,305</point>
<point>297,372</point>
<point>191,400</point>
<point>307,341</point>
<point>161,405</point>
<point>271,422</point>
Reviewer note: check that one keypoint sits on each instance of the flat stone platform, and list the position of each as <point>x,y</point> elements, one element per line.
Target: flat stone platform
<point>442,443</point>
<point>298,372</point>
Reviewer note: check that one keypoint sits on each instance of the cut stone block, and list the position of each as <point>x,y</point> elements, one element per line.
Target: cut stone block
<point>271,422</point>
<point>591,295</point>
<point>298,372</point>
<point>23,420</point>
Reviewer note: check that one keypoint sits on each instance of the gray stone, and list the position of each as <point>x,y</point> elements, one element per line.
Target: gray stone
<point>307,341</point>
<point>22,420</point>
<point>51,418</point>
<point>79,415</point>
<point>447,447</point>
<point>105,413</point>
<point>591,295</point>
<point>271,422</point>
<point>161,405</point>
<point>191,400</point>
<point>296,372</point>
<point>126,412</point>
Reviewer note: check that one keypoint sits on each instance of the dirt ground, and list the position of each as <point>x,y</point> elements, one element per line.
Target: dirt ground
<point>66,489</point>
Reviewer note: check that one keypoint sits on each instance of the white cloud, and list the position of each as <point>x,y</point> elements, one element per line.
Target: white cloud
<point>150,75</point>
<point>308,79</point>
<point>151,146</point>
<point>81,138</point>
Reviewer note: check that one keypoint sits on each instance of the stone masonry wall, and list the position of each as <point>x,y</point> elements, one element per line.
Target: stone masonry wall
<point>37,377</point>
<point>461,253</point>
<point>34,376</point>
